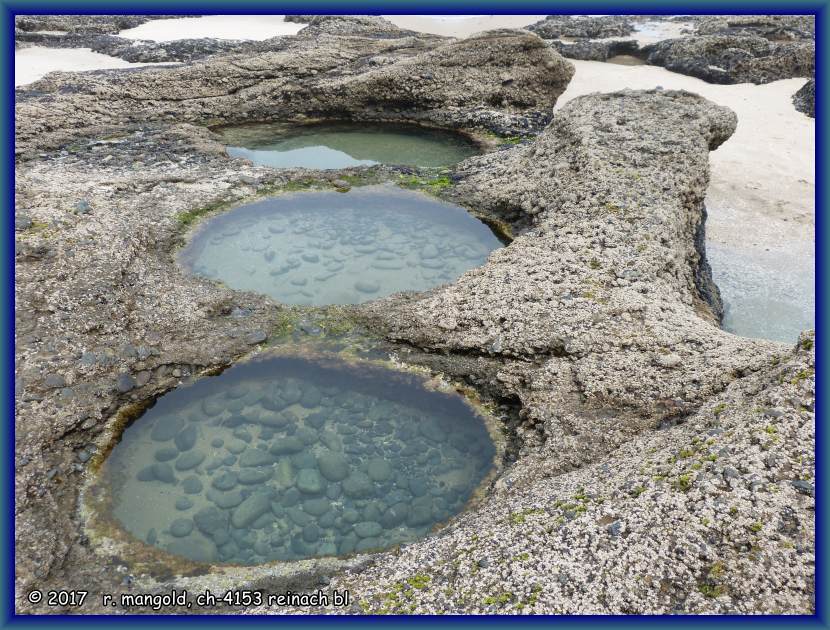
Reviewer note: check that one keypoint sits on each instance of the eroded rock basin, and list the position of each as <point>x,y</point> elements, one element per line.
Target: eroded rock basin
<point>287,458</point>
<point>334,145</point>
<point>319,248</point>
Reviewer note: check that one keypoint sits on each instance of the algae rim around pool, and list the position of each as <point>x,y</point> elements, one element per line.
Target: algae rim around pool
<point>101,526</point>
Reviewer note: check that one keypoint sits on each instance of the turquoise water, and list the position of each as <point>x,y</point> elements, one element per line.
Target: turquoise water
<point>340,145</point>
<point>320,248</point>
<point>285,459</point>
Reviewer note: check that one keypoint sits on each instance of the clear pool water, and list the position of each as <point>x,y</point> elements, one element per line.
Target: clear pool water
<point>320,248</point>
<point>766,294</point>
<point>286,458</point>
<point>340,145</point>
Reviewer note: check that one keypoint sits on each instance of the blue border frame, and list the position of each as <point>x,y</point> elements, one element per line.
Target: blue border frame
<point>10,8</point>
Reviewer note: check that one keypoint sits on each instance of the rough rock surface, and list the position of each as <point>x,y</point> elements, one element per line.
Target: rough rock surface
<point>136,51</point>
<point>674,471</point>
<point>729,58</point>
<point>805,99</point>
<point>715,515</point>
<point>315,74</point>
<point>588,50</point>
<point>105,186</point>
<point>83,24</point>
<point>588,27</point>
<point>662,465</point>
<point>772,27</point>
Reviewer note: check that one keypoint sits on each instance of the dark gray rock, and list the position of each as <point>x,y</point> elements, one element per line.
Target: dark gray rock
<point>164,473</point>
<point>805,99</point>
<point>186,438</point>
<point>166,454</point>
<point>309,481</point>
<point>250,509</point>
<point>333,466</point>
<point>166,428</point>
<point>189,460</point>
<point>226,481</point>
<point>54,381</point>
<point>192,485</point>
<point>804,487</point>
<point>255,337</point>
<point>125,383</point>
<point>358,486</point>
<point>253,457</point>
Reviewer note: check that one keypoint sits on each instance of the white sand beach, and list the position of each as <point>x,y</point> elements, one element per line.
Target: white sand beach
<point>250,27</point>
<point>35,62</point>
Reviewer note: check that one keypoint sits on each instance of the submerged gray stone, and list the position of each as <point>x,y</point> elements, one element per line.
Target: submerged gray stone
<point>287,445</point>
<point>367,286</point>
<point>226,481</point>
<point>253,476</point>
<point>166,428</point>
<point>379,470</point>
<point>189,460</point>
<point>236,446</point>
<point>192,485</point>
<point>164,472</point>
<point>358,486</point>
<point>255,457</point>
<point>309,481</point>
<point>333,466</point>
<point>225,500</point>
<point>368,529</point>
<point>316,507</point>
<point>250,509</point>
<point>166,454</point>
<point>211,520</point>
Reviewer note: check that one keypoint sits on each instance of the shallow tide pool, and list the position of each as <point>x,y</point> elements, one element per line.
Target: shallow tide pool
<point>766,294</point>
<point>287,458</point>
<point>341,145</point>
<point>319,248</point>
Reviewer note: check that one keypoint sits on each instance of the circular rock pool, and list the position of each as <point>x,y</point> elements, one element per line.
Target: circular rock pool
<point>335,145</point>
<point>289,458</point>
<point>319,248</point>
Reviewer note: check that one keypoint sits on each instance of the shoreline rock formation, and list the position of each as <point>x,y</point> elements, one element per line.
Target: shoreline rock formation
<point>661,464</point>
<point>805,99</point>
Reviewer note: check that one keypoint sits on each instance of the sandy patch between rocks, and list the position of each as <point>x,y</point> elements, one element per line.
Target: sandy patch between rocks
<point>35,62</point>
<point>764,171</point>
<point>246,27</point>
<point>761,192</point>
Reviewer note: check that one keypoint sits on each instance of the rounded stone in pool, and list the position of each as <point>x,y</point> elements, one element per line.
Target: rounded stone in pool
<point>340,145</point>
<point>319,248</point>
<point>285,459</point>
